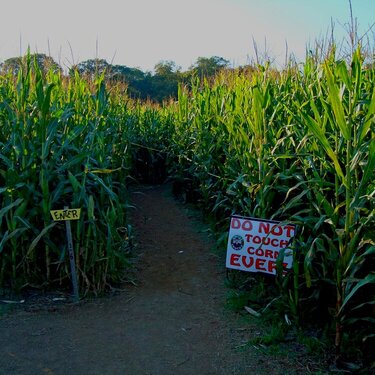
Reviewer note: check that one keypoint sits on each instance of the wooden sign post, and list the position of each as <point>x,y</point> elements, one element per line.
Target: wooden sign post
<point>66,215</point>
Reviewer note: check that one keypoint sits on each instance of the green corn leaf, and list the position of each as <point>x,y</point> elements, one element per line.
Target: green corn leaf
<point>369,279</point>
<point>105,171</point>
<point>369,251</point>
<point>36,240</point>
<point>7,208</point>
<point>336,103</point>
<point>366,319</point>
<point>363,305</point>
<point>7,236</point>
<point>21,209</point>
<point>24,221</point>
<point>78,159</point>
<point>74,182</point>
<point>319,134</point>
<point>368,173</point>
<point>357,73</point>
<point>308,261</point>
<point>369,119</point>
<point>102,183</point>
<point>47,99</point>
<point>343,73</point>
<point>91,208</point>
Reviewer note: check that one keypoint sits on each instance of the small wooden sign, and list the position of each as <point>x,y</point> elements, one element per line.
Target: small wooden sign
<point>68,214</point>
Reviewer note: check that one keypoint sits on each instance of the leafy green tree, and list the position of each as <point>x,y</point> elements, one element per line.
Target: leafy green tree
<point>167,68</point>
<point>92,67</point>
<point>165,80</point>
<point>136,79</point>
<point>209,66</point>
<point>44,62</point>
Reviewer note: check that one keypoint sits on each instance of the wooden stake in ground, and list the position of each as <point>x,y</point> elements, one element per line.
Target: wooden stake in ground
<point>66,215</point>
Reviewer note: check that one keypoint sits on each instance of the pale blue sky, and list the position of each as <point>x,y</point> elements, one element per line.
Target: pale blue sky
<point>140,33</point>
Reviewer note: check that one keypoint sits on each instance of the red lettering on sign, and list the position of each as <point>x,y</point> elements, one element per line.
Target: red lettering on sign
<point>247,264</point>
<point>271,266</point>
<point>262,253</point>
<point>274,242</point>
<point>259,264</point>
<point>268,254</point>
<point>234,260</point>
<point>283,244</point>
<point>235,224</point>
<point>266,240</point>
<point>250,250</point>
<point>264,228</point>
<point>289,230</point>
<point>246,225</point>
<point>257,239</point>
<point>277,230</point>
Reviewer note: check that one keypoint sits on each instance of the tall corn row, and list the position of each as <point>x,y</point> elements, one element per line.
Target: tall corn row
<point>342,129</point>
<point>295,145</point>
<point>59,146</point>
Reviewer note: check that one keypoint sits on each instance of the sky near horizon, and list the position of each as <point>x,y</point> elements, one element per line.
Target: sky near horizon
<point>141,33</point>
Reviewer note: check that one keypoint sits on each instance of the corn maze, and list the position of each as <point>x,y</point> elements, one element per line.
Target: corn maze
<point>295,144</point>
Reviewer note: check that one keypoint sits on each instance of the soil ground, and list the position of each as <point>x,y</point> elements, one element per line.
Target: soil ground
<point>172,322</point>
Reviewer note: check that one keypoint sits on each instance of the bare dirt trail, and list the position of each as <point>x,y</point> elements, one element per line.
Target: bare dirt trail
<point>173,323</point>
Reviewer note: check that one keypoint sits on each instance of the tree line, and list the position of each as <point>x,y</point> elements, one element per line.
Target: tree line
<point>158,86</point>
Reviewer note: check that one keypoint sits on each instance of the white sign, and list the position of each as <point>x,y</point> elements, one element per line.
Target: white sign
<point>254,244</point>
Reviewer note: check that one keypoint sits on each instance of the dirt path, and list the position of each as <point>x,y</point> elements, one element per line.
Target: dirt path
<point>172,323</point>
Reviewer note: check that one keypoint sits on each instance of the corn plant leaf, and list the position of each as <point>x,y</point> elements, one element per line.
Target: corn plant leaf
<point>319,134</point>
<point>91,208</point>
<point>369,279</point>
<point>105,170</point>
<point>356,70</point>
<point>362,257</point>
<point>77,159</point>
<point>371,303</point>
<point>24,221</point>
<point>336,103</point>
<point>7,236</point>
<point>368,173</point>
<point>74,182</point>
<point>295,201</point>
<point>7,208</point>
<point>308,261</point>
<point>6,160</point>
<point>368,120</point>
<point>366,319</point>
<point>343,73</point>
<point>52,129</point>
<point>47,99</point>
<point>102,183</point>
<point>36,240</point>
